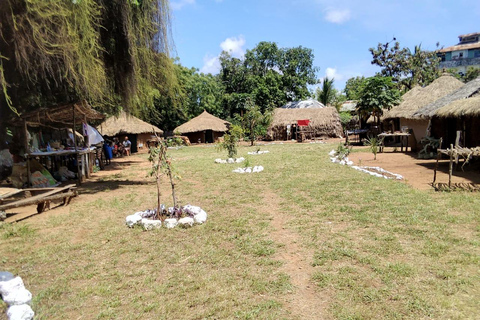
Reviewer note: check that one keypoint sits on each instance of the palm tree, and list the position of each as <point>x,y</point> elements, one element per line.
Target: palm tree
<point>326,94</point>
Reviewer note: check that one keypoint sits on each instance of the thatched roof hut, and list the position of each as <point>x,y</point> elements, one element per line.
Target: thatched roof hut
<point>419,97</point>
<point>467,90</point>
<point>323,121</point>
<point>460,108</point>
<point>125,125</point>
<point>204,128</point>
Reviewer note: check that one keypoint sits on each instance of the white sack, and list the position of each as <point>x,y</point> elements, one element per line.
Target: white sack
<point>170,223</point>
<point>133,220</point>
<point>186,222</point>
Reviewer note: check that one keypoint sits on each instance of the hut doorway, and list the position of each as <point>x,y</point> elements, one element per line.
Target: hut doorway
<point>209,136</point>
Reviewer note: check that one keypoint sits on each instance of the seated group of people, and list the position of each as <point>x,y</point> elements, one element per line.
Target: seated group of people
<point>116,148</point>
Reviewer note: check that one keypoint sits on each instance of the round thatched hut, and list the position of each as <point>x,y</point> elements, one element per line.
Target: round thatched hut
<point>323,122</point>
<point>124,125</point>
<point>204,128</point>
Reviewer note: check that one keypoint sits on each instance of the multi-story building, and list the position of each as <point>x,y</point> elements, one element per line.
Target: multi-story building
<point>462,56</point>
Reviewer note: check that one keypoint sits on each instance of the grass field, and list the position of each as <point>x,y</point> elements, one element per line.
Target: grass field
<point>366,248</point>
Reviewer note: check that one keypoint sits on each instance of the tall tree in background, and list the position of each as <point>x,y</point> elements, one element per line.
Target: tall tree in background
<point>268,75</point>
<point>253,122</point>
<point>406,68</point>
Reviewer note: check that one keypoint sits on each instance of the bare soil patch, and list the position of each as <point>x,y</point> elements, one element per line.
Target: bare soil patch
<point>416,172</point>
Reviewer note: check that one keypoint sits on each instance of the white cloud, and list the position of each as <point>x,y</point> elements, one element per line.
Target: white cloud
<point>337,16</point>
<point>210,65</point>
<point>332,73</point>
<point>234,46</point>
<point>179,4</point>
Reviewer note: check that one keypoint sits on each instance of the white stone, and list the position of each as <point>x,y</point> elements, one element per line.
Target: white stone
<point>230,160</point>
<point>151,224</point>
<point>186,222</point>
<point>248,170</point>
<point>18,297</point>
<point>170,223</point>
<point>132,220</point>
<point>20,312</point>
<point>13,292</point>
<point>238,160</point>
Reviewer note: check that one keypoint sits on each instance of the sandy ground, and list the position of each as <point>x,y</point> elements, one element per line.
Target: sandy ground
<point>416,172</point>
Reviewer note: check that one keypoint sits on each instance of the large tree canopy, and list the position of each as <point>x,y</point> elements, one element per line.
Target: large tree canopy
<point>268,75</point>
<point>406,68</point>
<point>106,51</point>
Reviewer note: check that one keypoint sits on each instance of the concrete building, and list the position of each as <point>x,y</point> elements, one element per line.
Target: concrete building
<point>463,55</point>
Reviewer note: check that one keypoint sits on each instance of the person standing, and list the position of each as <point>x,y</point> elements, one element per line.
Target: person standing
<point>126,146</point>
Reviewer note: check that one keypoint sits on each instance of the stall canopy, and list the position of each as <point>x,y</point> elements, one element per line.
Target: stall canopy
<point>62,116</point>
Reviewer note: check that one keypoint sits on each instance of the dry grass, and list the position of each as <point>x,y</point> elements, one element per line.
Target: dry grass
<point>379,249</point>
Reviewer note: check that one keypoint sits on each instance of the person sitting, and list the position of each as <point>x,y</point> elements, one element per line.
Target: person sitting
<point>126,146</point>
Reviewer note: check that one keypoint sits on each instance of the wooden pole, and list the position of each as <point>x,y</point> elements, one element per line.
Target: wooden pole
<point>436,167</point>
<point>450,167</point>
<point>79,172</point>
<point>27,152</point>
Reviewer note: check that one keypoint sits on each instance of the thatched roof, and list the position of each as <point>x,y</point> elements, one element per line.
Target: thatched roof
<point>466,91</point>
<point>203,122</point>
<point>419,97</point>
<point>63,115</point>
<point>324,120</point>
<point>305,104</point>
<point>464,107</point>
<point>126,124</point>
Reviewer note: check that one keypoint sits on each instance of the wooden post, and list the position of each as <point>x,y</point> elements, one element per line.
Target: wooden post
<point>27,152</point>
<point>79,173</point>
<point>450,167</point>
<point>436,167</point>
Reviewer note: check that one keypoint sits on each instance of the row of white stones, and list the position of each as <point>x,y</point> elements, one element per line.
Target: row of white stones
<point>16,296</point>
<point>373,171</point>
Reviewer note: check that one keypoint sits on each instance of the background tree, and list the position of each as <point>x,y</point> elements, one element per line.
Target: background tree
<point>406,68</point>
<point>378,94</point>
<point>354,87</point>
<point>326,94</point>
<point>268,75</point>
<point>471,74</point>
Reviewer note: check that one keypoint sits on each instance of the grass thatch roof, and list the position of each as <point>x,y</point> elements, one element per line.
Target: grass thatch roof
<point>419,97</point>
<point>325,120</point>
<point>205,121</point>
<point>126,124</point>
<point>466,91</point>
<point>464,107</point>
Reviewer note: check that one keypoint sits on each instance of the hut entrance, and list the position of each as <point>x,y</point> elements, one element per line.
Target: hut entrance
<point>209,136</point>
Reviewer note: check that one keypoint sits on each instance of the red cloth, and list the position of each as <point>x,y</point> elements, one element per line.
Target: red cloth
<point>303,123</point>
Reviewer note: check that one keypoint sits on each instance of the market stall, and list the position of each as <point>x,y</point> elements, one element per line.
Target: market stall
<point>52,138</point>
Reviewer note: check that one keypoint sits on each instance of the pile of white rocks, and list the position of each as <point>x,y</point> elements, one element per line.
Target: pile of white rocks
<point>15,295</point>
<point>195,215</point>
<point>249,169</point>
<point>373,171</point>
<point>259,152</point>
<point>230,160</point>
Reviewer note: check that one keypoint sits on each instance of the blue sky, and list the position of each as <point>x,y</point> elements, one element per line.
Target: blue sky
<point>339,31</point>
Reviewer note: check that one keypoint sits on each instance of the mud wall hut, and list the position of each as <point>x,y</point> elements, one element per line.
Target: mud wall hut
<point>404,115</point>
<point>324,122</point>
<point>124,125</point>
<point>204,128</point>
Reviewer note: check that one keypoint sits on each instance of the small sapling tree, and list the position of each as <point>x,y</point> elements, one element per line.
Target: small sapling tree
<point>373,144</point>
<point>230,140</point>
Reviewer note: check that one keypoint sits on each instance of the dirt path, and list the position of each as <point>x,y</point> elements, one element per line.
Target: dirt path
<point>304,302</point>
